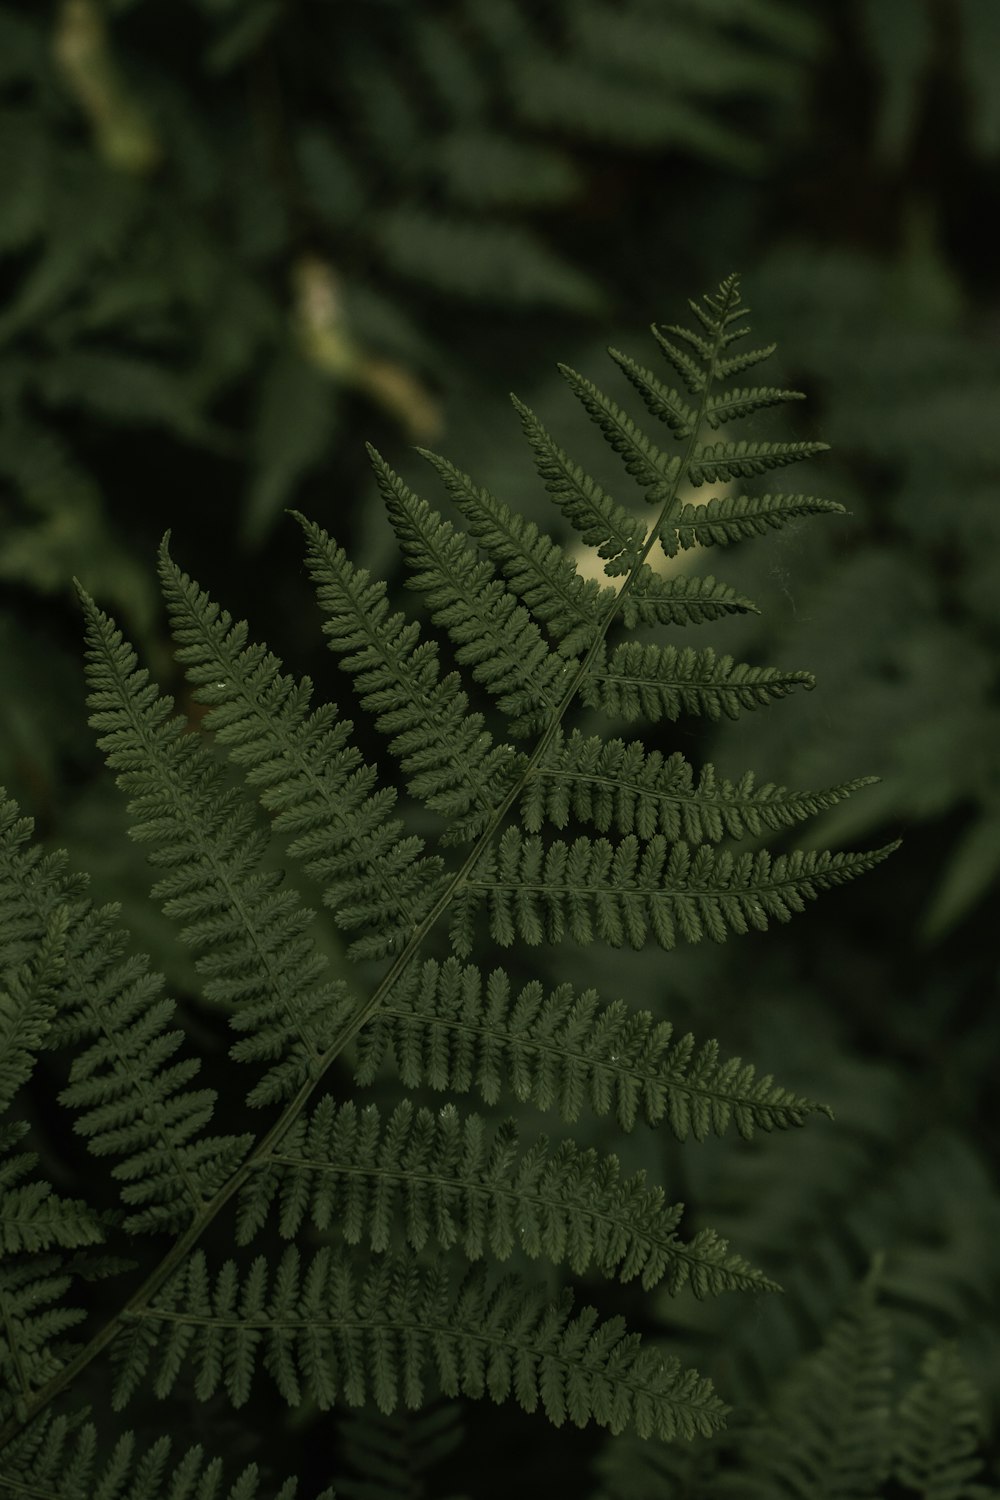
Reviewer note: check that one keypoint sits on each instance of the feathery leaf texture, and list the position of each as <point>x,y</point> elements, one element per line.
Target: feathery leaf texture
<point>492,632</point>
<point>390,1452</point>
<point>414,1198</point>
<point>135,1102</point>
<point>621,892</point>
<point>663,682</point>
<point>445,751</point>
<point>60,1460</point>
<point>600,521</point>
<point>937,1431</point>
<point>537,570</point>
<point>625,787</point>
<point>731,518</point>
<point>828,1433</point>
<point>312,778</point>
<point>251,936</point>
<point>450,1179</point>
<point>325,1332</point>
<point>448,1028</point>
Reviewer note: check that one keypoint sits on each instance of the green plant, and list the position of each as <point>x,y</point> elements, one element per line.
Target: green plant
<point>411,1214</point>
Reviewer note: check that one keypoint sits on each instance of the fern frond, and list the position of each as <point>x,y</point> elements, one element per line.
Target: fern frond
<point>937,1431</point>
<point>715,461</point>
<point>327,1334</point>
<point>50,1460</point>
<point>34,1316</point>
<point>136,1103</point>
<point>443,747</point>
<point>444,1177</point>
<point>661,401</point>
<point>621,892</point>
<point>538,570</point>
<point>828,1433</point>
<point>629,789</point>
<point>491,631</point>
<point>642,459</point>
<point>743,403</point>
<point>682,600</point>
<point>448,1028</point>
<point>731,518</point>
<point>390,1452</point>
<point>251,937</point>
<point>312,778</point>
<point>600,520</point>
<point>663,682</point>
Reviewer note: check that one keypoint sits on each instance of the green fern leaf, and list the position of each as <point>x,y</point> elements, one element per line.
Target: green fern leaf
<point>312,778</point>
<point>536,568</point>
<point>623,787</point>
<point>662,682</point>
<point>325,1333</point>
<point>447,1180</point>
<point>642,459</point>
<point>731,518</point>
<point>621,892</point>
<point>715,461</point>
<point>52,1460</point>
<point>443,747</point>
<point>448,1028</point>
<point>828,1433</point>
<point>743,403</point>
<point>660,401</point>
<point>682,600</point>
<point>600,520</point>
<point>492,632</point>
<point>938,1429</point>
<point>136,1103</point>
<point>250,935</point>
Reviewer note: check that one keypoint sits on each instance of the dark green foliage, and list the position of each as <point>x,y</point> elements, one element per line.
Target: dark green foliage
<point>432,1197</point>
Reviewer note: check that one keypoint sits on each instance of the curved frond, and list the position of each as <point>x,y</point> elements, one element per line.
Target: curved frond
<point>445,751</point>
<point>682,600</point>
<point>620,893</point>
<point>828,1432</point>
<point>600,521</point>
<point>448,1178</point>
<point>60,1460</point>
<point>538,570</point>
<point>662,682</point>
<point>938,1429</point>
<point>390,1452</point>
<point>312,779</point>
<point>731,518</point>
<point>135,1102</point>
<point>714,461</point>
<point>625,788</point>
<point>448,1028</point>
<point>743,403</point>
<point>251,936</point>
<point>34,1317</point>
<point>642,459</point>
<point>660,400</point>
<point>326,1333</point>
<point>492,633</point>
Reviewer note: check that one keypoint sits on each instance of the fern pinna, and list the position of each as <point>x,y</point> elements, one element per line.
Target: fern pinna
<point>414,1210</point>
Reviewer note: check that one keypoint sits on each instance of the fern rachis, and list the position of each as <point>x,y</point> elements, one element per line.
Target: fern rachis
<point>533,636</point>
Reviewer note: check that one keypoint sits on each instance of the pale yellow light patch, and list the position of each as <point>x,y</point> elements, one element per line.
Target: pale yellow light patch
<point>590,565</point>
<point>123,134</point>
<point>328,342</point>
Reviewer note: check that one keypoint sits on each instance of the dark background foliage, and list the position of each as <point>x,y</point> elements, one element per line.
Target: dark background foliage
<point>238,237</point>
